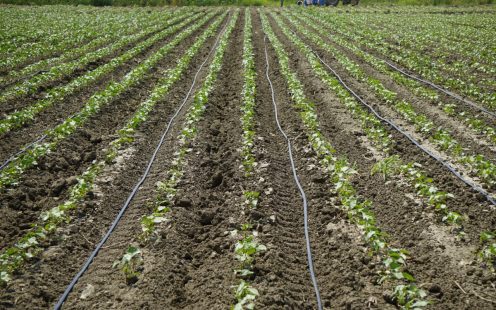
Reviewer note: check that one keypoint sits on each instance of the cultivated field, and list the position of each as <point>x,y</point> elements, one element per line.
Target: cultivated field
<point>208,158</point>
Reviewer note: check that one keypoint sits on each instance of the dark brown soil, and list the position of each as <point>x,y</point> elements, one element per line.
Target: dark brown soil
<point>48,276</point>
<point>335,261</point>
<point>70,105</point>
<point>190,265</point>
<point>46,185</point>
<point>411,226</point>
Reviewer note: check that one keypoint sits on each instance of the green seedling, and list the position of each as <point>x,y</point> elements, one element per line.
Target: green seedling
<point>387,167</point>
<point>130,263</point>
<point>245,296</point>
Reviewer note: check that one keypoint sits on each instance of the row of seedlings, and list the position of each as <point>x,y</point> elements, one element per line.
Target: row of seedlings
<point>477,164</point>
<point>463,51</point>
<point>417,63</point>
<point>247,245</point>
<point>22,117</point>
<point>78,57</point>
<point>57,72</point>
<point>11,173</point>
<point>474,122</point>
<point>406,293</point>
<point>390,164</point>
<point>166,190</point>
<point>30,245</point>
<point>60,30</point>
<point>464,44</point>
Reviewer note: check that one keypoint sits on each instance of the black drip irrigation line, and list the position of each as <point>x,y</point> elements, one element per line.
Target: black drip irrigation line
<point>27,147</point>
<point>390,123</point>
<point>297,181</point>
<point>23,78</point>
<point>95,252</point>
<point>439,88</point>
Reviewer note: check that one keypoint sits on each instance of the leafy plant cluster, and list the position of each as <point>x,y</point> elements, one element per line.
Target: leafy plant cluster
<point>341,173</point>
<point>392,164</point>
<point>480,166</point>
<point>447,75</point>
<point>35,35</point>
<point>423,185</point>
<point>167,190</point>
<point>473,122</point>
<point>456,47</point>
<point>248,107</point>
<point>28,246</point>
<point>10,174</point>
<point>248,247</point>
<point>57,94</point>
<point>106,36</point>
<point>130,264</point>
<point>488,252</point>
<point>245,294</point>
<point>245,251</point>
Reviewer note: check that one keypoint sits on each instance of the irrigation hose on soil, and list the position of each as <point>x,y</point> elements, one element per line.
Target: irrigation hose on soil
<point>27,147</point>
<point>297,181</point>
<point>136,188</point>
<point>447,92</point>
<point>390,123</point>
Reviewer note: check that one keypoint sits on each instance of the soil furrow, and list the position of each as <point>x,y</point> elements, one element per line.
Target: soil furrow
<point>39,284</point>
<point>45,186</point>
<point>70,105</point>
<point>410,226</point>
<point>184,254</point>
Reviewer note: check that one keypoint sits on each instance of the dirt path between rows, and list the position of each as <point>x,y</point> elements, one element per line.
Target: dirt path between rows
<point>437,258</point>
<point>41,282</point>
<point>48,184</point>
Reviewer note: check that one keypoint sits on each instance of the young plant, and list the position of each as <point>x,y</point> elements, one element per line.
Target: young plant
<point>245,296</point>
<point>387,167</point>
<point>246,249</point>
<point>130,264</point>
<point>251,198</point>
<point>488,252</point>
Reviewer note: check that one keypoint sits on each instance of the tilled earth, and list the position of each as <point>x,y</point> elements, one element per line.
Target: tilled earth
<point>190,266</point>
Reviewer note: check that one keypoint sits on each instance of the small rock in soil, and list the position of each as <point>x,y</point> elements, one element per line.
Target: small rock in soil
<point>214,128</point>
<point>319,178</point>
<point>71,181</point>
<point>95,139</point>
<point>256,215</point>
<point>388,297</point>
<point>435,289</point>
<point>87,292</point>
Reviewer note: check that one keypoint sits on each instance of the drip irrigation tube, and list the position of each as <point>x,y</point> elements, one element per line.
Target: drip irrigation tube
<point>27,147</point>
<point>439,88</point>
<point>22,78</point>
<point>390,123</point>
<point>88,262</point>
<point>297,181</point>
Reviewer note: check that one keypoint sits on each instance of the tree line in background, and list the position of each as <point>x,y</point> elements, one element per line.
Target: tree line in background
<point>146,2</point>
<point>232,2</point>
